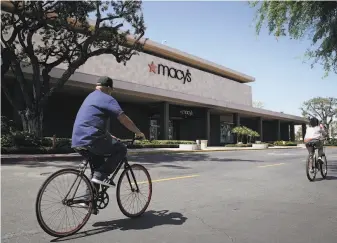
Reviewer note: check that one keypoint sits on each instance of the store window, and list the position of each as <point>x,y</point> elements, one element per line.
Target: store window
<point>226,135</point>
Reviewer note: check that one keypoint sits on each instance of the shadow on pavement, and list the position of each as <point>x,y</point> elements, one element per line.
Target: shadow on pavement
<point>148,220</point>
<point>173,157</point>
<point>141,158</point>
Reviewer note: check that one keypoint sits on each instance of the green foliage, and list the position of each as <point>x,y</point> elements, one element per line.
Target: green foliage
<point>7,126</point>
<point>20,144</point>
<point>43,35</point>
<point>7,140</point>
<point>36,150</point>
<point>284,143</point>
<point>324,109</point>
<point>298,19</point>
<point>239,145</point>
<point>331,142</point>
<point>242,131</point>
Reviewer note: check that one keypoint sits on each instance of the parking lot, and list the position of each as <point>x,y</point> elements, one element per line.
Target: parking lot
<point>240,196</point>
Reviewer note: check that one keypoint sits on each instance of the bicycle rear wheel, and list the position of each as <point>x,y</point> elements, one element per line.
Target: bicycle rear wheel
<point>310,176</point>
<point>64,210</point>
<point>324,167</point>
<point>132,186</point>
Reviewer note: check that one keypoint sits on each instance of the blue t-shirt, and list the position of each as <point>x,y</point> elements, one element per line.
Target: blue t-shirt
<point>92,117</point>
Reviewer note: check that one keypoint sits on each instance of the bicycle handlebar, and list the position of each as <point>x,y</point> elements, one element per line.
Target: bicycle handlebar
<point>132,141</point>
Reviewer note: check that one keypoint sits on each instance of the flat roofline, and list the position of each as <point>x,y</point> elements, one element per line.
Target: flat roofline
<point>170,53</point>
<point>194,61</point>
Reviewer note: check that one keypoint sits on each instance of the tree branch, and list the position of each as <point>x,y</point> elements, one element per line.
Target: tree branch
<point>61,81</point>
<point>17,71</point>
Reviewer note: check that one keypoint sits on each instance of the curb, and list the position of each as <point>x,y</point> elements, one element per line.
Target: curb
<point>77,157</point>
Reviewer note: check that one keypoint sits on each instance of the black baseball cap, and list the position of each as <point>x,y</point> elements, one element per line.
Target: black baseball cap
<point>105,81</point>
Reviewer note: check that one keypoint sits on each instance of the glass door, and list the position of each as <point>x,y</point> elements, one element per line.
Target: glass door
<point>154,130</point>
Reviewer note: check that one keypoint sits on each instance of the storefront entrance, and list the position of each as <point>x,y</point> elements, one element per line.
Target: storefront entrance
<point>184,123</point>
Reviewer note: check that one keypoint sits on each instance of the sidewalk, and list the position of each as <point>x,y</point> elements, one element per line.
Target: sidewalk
<point>76,156</point>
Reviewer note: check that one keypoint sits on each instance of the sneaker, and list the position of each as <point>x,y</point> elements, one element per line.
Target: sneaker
<point>101,179</point>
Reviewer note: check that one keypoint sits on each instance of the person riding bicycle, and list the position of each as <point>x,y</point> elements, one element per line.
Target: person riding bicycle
<point>315,134</point>
<point>90,133</point>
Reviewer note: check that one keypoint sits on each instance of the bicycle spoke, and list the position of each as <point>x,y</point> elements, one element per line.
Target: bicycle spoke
<point>67,218</point>
<point>131,199</point>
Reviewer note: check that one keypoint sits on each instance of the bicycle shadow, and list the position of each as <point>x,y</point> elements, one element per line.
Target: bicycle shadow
<point>148,220</point>
<point>328,178</point>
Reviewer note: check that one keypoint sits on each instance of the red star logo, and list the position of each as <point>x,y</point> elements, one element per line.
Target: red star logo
<point>152,67</point>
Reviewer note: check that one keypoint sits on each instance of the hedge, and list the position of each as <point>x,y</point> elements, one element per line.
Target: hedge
<point>36,150</point>
<point>21,143</point>
<point>284,143</point>
<point>239,145</point>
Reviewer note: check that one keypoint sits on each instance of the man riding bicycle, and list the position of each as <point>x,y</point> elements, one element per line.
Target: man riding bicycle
<point>89,131</point>
<point>315,134</point>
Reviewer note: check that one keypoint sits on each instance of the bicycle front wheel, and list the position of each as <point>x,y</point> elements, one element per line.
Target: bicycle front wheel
<point>135,185</point>
<point>68,196</point>
<point>309,166</point>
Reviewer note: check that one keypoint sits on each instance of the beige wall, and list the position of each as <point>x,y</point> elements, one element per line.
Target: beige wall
<point>137,71</point>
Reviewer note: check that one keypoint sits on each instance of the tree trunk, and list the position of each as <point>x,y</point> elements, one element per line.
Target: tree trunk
<point>32,122</point>
<point>328,130</point>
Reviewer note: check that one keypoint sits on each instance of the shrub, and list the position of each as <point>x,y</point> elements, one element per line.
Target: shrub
<point>7,140</point>
<point>7,126</point>
<point>30,144</point>
<point>331,142</point>
<point>36,150</point>
<point>284,143</point>
<point>239,145</point>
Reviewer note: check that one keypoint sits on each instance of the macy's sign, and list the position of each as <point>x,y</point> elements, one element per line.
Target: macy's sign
<point>170,72</point>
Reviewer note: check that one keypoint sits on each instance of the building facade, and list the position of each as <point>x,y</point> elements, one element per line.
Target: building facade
<point>169,95</point>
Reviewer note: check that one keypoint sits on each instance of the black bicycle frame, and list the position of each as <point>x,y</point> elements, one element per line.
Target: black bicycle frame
<point>104,188</point>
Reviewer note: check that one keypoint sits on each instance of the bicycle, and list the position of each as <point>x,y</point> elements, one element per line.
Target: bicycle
<point>322,166</point>
<point>94,199</point>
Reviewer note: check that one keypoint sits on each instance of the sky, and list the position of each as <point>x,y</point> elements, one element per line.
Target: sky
<point>224,33</point>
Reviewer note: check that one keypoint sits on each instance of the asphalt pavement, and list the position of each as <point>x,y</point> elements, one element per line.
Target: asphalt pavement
<point>240,196</point>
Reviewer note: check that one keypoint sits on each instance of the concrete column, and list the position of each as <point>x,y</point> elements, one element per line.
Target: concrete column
<point>260,128</point>
<point>236,119</point>
<point>304,130</point>
<point>278,122</point>
<point>292,132</point>
<point>208,126</point>
<point>164,121</point>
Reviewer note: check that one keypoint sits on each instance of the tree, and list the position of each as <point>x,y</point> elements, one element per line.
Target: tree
<point>64,35</point>
<point>333,129</point>
<point>298,135</point>
<point>316,20</point>
<point>255,135</point>
<point>238,131</point>
<point>258,104</point>
<point>324,109</point>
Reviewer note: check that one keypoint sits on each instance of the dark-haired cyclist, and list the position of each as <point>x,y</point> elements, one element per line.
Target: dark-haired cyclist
<point>315,134</point>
